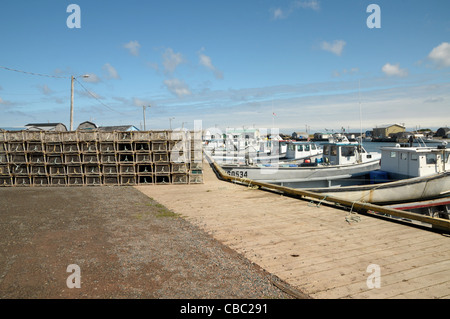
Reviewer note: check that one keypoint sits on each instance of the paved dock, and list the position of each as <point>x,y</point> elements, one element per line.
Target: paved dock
<point>322,251</point>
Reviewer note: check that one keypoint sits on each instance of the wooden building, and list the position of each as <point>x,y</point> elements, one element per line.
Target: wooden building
<point>87,125</point>
<point>387,130</point>
<point>56,127</point>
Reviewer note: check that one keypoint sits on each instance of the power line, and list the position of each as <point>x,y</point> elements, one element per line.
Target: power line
<point>32,73</point>
<point>60,77</point>
<point>95,97</point>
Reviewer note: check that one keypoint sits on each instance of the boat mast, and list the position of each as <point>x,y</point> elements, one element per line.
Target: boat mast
<point>360,112</point>
<point>273,118</point>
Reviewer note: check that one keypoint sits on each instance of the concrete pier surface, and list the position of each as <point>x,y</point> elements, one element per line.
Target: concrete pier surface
<point>322,251</point>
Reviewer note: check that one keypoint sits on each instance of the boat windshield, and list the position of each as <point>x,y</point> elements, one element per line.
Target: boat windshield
<point>431,158</point>
<point>348,151</point>
<point>334,150</point>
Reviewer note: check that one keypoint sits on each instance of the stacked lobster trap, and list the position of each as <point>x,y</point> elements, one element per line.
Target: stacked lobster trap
<point>40,158</point>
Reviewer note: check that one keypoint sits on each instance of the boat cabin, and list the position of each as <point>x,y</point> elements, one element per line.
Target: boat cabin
<point>340,151</point>
<point>346,153</point>
<point>408,162</point>
<point>298,150</point>
<point>273,147</point>
<point>283,145</point>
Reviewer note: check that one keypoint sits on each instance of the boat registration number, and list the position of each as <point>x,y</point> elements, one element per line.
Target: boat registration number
<point>240,174</point>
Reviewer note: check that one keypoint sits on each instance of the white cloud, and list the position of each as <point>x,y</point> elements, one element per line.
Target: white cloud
<point>394,70</point>
<point>440,55</point>
<point>4,102</point>
<point>345,72</point>
<point>153,65</point>
<point>139,102</point>
<point>90,94</point>
<point>312,4</point>
<point>171,60</point>
<point>177,87</point>
<point>110,71</point>
<point>45,89</point>
<point>133,47</point>
<point>206,62</point>
<point>336,47</point>
<point>279,13</point>
<point>434,100</point>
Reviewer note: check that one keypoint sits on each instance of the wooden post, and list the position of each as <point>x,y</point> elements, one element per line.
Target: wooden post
<point>71,104</point>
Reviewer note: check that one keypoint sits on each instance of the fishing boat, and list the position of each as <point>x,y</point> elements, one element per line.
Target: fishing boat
<point>406,174</point>
<point>261,151</point>
<point>435,208</point>
<point>338,160</point>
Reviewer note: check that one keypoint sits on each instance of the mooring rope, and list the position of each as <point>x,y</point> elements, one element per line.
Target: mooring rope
<point>311,203</point>
<point>352,216</point>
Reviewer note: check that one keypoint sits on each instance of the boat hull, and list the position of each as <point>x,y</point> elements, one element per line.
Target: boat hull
<point>435,208</point>
<point>303,176</point>
<point>407,190</point>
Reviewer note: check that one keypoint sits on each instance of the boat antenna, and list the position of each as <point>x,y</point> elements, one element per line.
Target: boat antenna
<point>360,112</point>
<point>273,117</point>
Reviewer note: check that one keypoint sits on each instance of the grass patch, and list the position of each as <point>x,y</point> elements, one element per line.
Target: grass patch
<point>142,215</point>
<point>164,212</point>
<point>167,213</point>
<point>159,211</point>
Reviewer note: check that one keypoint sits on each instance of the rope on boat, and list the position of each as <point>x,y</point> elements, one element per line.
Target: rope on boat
<point>311,203</point>
<point>352,216</point>
<point>248,182</point>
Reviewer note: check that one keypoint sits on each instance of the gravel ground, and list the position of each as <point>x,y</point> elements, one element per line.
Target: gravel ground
<point>125,244</point>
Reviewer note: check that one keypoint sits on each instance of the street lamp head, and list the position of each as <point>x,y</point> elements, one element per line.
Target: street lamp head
<point>80,76</point>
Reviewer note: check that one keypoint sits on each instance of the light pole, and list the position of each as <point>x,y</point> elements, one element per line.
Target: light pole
<point>143,111</point>
<point>143,114</point>
<point>71,99</point>
<point>170,122</point>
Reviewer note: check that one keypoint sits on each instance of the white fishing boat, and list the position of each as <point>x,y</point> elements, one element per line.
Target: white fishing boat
<point>339,159</point>
<point>286,152</point>
<point>406,174</point>
<point>258,151</point>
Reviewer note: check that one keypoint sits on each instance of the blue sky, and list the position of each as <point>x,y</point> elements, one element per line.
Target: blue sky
<point>227,63</point>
